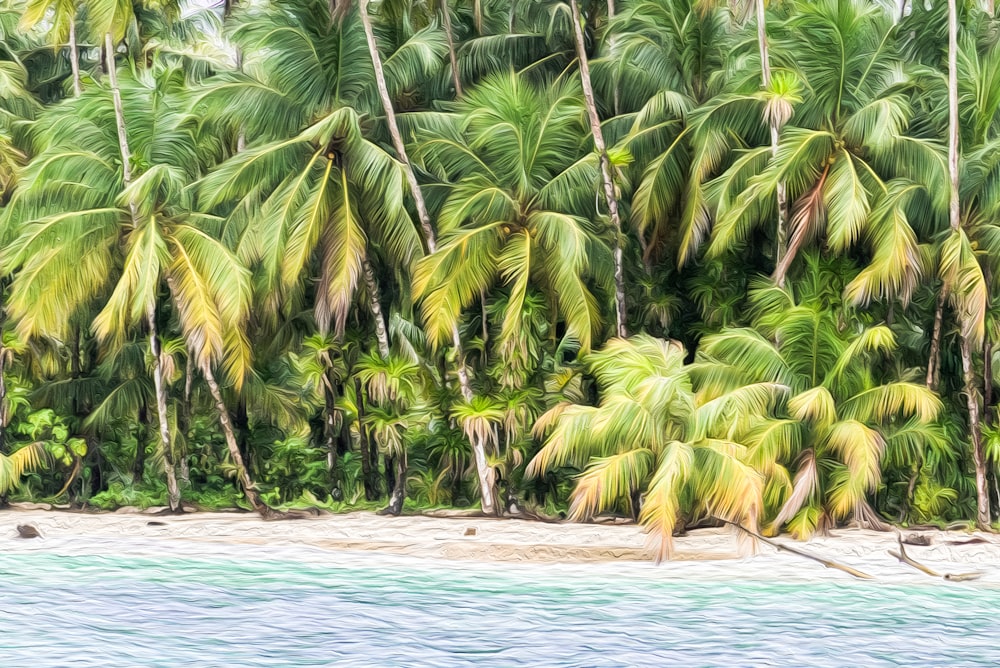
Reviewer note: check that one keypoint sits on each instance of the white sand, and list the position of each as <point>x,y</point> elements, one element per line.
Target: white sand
<point>706,553</point>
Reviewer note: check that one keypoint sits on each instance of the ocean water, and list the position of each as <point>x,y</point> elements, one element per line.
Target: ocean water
<point>251,606</point>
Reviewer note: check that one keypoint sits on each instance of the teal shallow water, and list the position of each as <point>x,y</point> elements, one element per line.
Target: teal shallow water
<point>58,610</point>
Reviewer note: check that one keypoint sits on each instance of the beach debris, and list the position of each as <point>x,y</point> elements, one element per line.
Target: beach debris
<point>471,531</point>
<point>829,563</point>
<point>28,531</point>
<point>971,541</point>
<point>156,524</point>
<point>954,577</point>
<point>917,539</point>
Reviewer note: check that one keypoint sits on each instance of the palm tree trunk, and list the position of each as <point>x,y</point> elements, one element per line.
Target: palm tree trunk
<point>249,489</point>
<point>455,78</point>
<point>74,57</point>
<point>184,419</point>
<point>381,333</point>
<point>934,359</point>
<point>116,95</point>
<point>369,464</point>
<point>487,480</point>
<point>398,494</point>
<point>390,119</point>
<point>972,402</point>
<point>485,473</point>
<point>609,187</point>
<point>765,67</point>
<point>173,492</point>
<point>954,218</point>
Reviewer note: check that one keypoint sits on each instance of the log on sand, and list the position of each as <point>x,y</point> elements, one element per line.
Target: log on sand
<point>954,577</point>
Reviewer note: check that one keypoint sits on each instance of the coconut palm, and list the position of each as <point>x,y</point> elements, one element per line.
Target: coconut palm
<point>833,419</point>
<point>849,165</point>
<point>651,435</point>
<point>518,195</point>
<point>139,225</point>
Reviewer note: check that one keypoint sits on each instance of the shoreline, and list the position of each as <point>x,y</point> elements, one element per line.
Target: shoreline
<point>702,553</point>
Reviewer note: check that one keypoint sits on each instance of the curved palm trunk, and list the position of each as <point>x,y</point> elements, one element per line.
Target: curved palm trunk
<point>249,489</point>
<point>482,466</point>
<point>954,218</point>
<point>173,492</point>
<point>609,187</point>
<point>765,66</point>
<point>74,58</point>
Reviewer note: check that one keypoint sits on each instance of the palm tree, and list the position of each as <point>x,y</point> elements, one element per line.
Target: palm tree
<point>518,185</point>
<point>832,419</point>
<point>651,435</point>
<point>850,168</point>
<point>140,225</point>
<point>610,196</point>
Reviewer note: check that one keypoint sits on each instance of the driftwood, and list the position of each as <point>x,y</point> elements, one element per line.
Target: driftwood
<point>955,577</point>
<point>826,562</point>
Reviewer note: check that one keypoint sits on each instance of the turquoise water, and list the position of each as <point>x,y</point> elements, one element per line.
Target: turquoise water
<point>227,611</point>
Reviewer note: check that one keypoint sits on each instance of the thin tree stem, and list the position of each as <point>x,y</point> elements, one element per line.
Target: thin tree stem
<point>74,57</point>
<point>249,489</point>
<point>610,199</point>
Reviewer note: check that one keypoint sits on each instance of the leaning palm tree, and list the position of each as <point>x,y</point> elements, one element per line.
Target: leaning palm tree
<point>651,435</point>
<point>833,418</point>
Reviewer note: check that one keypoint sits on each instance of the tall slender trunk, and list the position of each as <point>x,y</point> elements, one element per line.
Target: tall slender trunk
<point>369,466</point>
<point>396,476</point>
<point>184,419</point>
<point>333,427</point>
<point>390,119</point>
<point>954,219</point>
<point>381,333</point>
<point>74,57</point>
<point>116,95</point>
<point>249,489</point>
<point>139,463</point>
<point>934,359</point>
<point>484,471</point>
<point>987,361</point>
<point>4,410</point>
<point>487,478</point>
<point>173,492</point>
<point>456,79</point>
<point>610,199</point>
<point>902,10</point>
<point>765,70</point>
<point>972,402</point>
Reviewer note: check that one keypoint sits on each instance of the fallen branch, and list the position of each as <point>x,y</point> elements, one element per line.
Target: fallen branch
<point>905,558</point>
<point>826,562</point>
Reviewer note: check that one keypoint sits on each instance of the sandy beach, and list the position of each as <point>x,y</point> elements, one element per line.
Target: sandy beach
<point>711,553</point>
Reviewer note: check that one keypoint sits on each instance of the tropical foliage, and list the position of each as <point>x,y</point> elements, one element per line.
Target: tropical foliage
<point>682,260</point>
